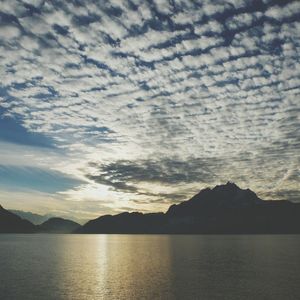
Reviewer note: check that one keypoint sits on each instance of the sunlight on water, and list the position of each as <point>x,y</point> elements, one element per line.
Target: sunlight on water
<point>149,267</point>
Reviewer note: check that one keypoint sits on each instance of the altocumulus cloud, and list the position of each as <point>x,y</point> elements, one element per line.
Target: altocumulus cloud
<point>175,93</point>
<point>129,176</point>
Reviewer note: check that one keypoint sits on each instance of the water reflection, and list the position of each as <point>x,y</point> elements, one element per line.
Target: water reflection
<point>115,267</point>
<point>136,267</point>
<point>149,267</point>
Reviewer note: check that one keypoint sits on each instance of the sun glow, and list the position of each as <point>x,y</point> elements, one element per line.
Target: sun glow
<point>91,191</point>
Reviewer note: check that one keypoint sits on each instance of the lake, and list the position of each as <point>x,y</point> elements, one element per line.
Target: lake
<point>41,266</point>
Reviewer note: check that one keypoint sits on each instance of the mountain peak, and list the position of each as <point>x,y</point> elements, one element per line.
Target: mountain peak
<point>231,184</point>
<point>228,186</point>
<point>59,225</point>
<point>224,208</point>
<point>225,196</point>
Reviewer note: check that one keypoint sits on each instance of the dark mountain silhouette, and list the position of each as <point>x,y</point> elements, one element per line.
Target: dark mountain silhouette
<point>221,197</point>
<point>36,219</point>
<point>11,223</point>
<point>134,222</point>
<point>229,209</point>
<point>58,225</point>
<point>223,209</point>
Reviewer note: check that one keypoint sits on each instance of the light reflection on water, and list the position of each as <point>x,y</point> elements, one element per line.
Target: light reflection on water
<point>149,267</point>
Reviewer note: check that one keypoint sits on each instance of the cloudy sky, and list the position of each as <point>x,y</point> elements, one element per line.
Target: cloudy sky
<point>108,106</point>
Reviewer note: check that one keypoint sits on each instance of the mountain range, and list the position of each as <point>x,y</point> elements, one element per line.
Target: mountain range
<point>224,209</point>
<point>11,223</point>
<point>34,218</point>
<point>58,225</point>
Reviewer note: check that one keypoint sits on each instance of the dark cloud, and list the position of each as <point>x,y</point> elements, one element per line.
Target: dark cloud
<point>283,194</point>
<point>122,174</point>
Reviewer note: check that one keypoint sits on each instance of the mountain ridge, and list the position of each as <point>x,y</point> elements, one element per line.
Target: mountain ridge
<point>222,209</point>
<point>221,196</point>
<point>11,223</point>
<point>58,225</point>
<point>34,218</point>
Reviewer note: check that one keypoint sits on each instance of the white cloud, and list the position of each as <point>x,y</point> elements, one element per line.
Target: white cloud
<point>279,13</point>
<point>9,32</point>
<point>163,7</point>
<point>134,87</point>
<point>241,20</point>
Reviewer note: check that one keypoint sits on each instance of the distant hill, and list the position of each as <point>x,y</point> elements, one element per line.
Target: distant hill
<point>11,223</point>
<point>58,225</point>
<point>223,209</point>
<point>134,222</point>
<point>36,219</point>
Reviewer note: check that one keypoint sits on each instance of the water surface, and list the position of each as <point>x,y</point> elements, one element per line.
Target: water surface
<point>149,267</point>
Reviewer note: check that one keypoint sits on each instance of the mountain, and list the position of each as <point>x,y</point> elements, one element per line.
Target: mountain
<point>36,219</point>
<point>58,225</point>
<point>220,198</point>
<point>229,209</point>
<point>126,222</point>
<point>11,223</point>
<point>223,209</point>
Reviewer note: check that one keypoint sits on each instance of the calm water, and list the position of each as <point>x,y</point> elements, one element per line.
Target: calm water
<point>149,267</point>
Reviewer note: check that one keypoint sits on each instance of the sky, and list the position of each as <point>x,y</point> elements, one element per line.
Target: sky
<point>111,106</point>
